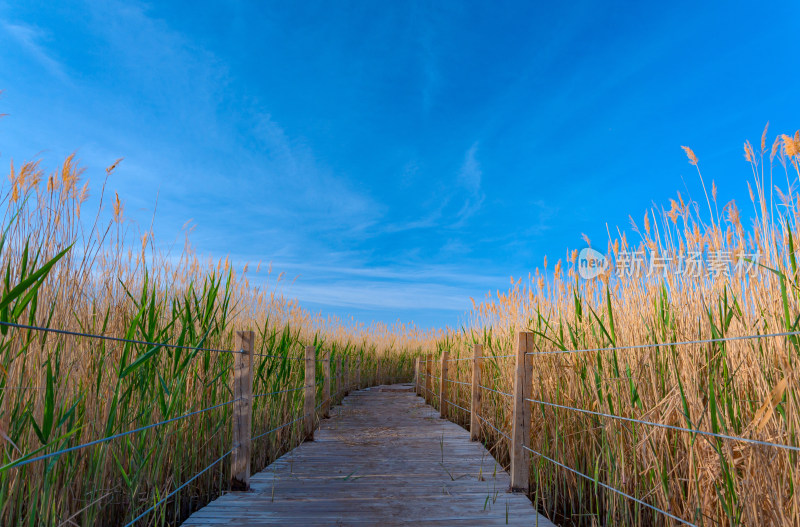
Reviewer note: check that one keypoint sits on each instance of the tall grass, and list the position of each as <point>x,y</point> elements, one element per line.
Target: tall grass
<point>746,388</point>
<point>63,269</point>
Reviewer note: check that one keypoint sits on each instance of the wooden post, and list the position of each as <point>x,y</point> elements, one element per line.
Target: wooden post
<point>521,422</point>
<point>422,364</point>
<point>443,384</point>
<point>358,374</point>
<point>346,373</point>
<point>326,387</point>
<point>242,410</point>
<point>378,371</point>
<point>310,395</point>
<point>339,377</point>
<point>428,383</point>
<point>475,405</point>
<point>416,375</point>
<point>286,431</point>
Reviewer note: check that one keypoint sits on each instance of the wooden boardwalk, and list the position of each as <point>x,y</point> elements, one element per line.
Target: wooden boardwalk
<point>383,458</point>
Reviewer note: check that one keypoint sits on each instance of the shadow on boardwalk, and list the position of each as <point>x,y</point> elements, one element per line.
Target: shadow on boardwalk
<point>383,458</point>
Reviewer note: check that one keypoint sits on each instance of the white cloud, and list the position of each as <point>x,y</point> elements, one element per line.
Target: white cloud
<point>470,178</point>
<point>30,38</point>
<point>292,166</point>
<point>382,295</point>
<point>470,174</point>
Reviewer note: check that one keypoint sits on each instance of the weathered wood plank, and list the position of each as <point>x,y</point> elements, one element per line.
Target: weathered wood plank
<point>383,457</point>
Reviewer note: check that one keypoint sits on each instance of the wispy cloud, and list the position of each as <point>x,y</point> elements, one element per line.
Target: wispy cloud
<point>364,294</point>
<point>290,164</point>
<point>470,174</point>
<point>31,38</point>
<point>470,178</point>
<point>442,273</point>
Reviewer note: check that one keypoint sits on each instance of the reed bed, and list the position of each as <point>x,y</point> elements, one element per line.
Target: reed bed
<point>101,275</point>
<point>742,388</point>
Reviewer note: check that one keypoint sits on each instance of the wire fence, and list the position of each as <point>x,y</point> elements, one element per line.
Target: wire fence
<point>448,401</point>
<point>279,391</point>
<point>27,459</point>
<point>716,435</point>
<point>284,425</point>
<point>180,488</point>
<point>669,427</point>
<point>112,339</point>
<point>607,487</point>
<point>495,391</point>
<point>666,344</point>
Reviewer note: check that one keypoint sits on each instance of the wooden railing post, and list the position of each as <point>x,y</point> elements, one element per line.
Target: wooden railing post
<point>242,410</point>
<point>428,383</point>
<point>521,423</point>
<point>378,372</point>
<point>310,392</point>
<point>475,405</point>
<point>443,384</point>
<point>326,387</point>
<point>346,376</point>
<point>416,375</point>
<point>358,374</point>
<point>420,375</point>
<point>339,377</point>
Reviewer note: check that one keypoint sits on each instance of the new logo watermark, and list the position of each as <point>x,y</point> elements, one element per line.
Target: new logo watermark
<point>591,263</point>
<point>691,264</point>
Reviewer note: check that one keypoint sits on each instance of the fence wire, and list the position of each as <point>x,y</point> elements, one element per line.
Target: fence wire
<point>113,339</point>
<point>664,344</point>
<point>277,392</point>
<point>670,427</point>
<point>479,416</point>
<point>183,486</point>
<point>284,425</point>
<point>457,406</point>
<point>495,391</point>
<point>25,461</point>
<point>609,487</point>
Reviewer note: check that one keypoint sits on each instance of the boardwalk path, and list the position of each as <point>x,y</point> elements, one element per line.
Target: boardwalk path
<point>384,457</point>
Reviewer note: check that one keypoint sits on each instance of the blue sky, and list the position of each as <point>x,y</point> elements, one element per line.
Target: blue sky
<point>397,158</point>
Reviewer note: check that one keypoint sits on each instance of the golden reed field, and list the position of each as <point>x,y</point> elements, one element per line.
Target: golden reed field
<point>65,267</point>
<point>93,271</point>
<point>748,285</point>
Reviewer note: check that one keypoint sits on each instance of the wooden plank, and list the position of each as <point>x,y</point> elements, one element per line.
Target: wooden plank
<point>475,404</point>
<point>383,458</point>
<point>521,420</point>
<point>242,411</point>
